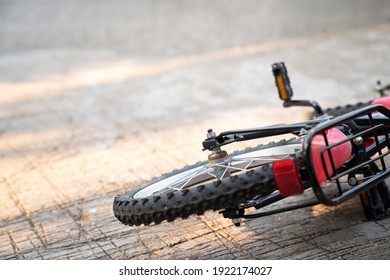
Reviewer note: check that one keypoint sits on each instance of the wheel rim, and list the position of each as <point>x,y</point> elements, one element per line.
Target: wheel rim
<point>233,165</point>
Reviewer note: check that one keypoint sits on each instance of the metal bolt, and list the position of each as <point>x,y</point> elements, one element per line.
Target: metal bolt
<point>352,181</point>
<point>210,134</point>
<point>358,140</point>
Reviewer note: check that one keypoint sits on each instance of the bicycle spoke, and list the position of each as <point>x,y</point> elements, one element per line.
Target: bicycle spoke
<point>187,179</point>
<point>192,177</point>
<point>213,171</point>
<point>226,169</point>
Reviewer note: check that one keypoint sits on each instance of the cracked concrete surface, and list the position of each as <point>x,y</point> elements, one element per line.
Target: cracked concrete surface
<point>95,101</point>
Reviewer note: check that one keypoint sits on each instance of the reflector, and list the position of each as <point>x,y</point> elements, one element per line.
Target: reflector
<point>287,177</point>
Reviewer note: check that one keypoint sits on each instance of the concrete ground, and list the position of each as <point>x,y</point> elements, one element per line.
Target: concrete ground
<point>97,97</point>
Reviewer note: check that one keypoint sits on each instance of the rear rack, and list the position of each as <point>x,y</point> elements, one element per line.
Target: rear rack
<point>367,166</point>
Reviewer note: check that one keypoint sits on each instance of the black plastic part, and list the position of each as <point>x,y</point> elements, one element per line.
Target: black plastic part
<point>280,74</point>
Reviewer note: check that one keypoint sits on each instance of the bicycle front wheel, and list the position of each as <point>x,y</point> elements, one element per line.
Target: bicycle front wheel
<point>204,186</point>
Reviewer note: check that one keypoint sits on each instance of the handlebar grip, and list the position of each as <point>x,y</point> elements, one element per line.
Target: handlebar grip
<point>282,81</point>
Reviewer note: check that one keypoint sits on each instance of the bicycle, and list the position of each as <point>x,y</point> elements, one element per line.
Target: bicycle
<point>339,153</point>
